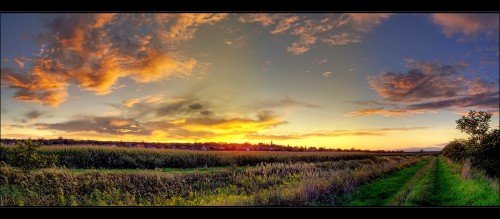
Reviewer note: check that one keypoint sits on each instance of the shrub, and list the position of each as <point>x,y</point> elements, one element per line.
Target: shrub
<point>486,155</point>
<point>26,156</point>
<point>456,150</point>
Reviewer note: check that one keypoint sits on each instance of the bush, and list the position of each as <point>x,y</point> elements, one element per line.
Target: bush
<point>26,156</point>
<point>456,150</point>
<point>486,155</point>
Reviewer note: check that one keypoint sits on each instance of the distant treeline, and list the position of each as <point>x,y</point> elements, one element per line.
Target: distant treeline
<point>202,146</point>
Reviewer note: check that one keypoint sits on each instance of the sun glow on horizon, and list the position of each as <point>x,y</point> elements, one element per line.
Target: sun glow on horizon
<point>335,80</point>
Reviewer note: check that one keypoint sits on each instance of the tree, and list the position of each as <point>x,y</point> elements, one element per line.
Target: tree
<point>476,124</point>
<point>483,146</point>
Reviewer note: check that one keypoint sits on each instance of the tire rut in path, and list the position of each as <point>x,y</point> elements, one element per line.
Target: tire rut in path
<point>416,190</point>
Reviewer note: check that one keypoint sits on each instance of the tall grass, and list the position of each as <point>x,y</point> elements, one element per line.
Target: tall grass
<point>297,183</point>
<point>475,190</point>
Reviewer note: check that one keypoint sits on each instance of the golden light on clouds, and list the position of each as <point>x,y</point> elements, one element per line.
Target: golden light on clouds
<point>331,79</point>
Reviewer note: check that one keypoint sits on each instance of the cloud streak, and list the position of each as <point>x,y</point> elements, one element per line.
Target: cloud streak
<point>195,128</point>
<point>285,102</point>
<point>96,124</point>
<point>334,133</point>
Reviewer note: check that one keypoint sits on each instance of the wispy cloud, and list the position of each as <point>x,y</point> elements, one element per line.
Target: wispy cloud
<point>96,124</point>
<point>334,133</point>
<point>33,114</point>
<point>333,29</point>
<point>342,39</point>
<point>467,24</point>
<point>21,61</point>
<point>285,102</point>
<point>239,41</point>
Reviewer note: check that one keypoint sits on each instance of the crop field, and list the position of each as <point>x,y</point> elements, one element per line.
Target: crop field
<point>109,176</point>
<point>93,176</point>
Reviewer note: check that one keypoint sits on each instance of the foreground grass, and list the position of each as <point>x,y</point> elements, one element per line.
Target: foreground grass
<point>381,191</point>
<point>432,182</point>
<point>418,190</point>
<point>451,190</point>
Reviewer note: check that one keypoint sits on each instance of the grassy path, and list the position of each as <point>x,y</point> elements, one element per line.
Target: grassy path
<point>432,182</point>
<point>381,191</point>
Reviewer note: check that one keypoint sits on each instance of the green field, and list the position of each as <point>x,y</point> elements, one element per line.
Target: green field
<point>432,182</point>
<point>277,179</point>
<point>93,176</point>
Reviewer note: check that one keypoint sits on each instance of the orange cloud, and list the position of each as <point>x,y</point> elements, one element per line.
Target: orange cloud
<point>427,87</point>
<point>49,98</point>
<point>365,22</point>
<point>157,66</point>
<point>130,103</point>
<point>284,24</point>
<point>186,24</point>
<point>469,24</point>
<point>95,50</point>
<point>40,85</point>
<point>423,81</point>
<point>264,19</point>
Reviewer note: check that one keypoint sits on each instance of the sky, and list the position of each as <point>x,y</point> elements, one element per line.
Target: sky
<point>362,80</point>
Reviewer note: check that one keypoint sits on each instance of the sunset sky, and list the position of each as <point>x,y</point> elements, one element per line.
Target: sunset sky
<point>369,81</point>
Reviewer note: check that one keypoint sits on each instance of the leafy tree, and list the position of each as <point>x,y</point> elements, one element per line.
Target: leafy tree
<point>482,148</point>
<point>476,124</point>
